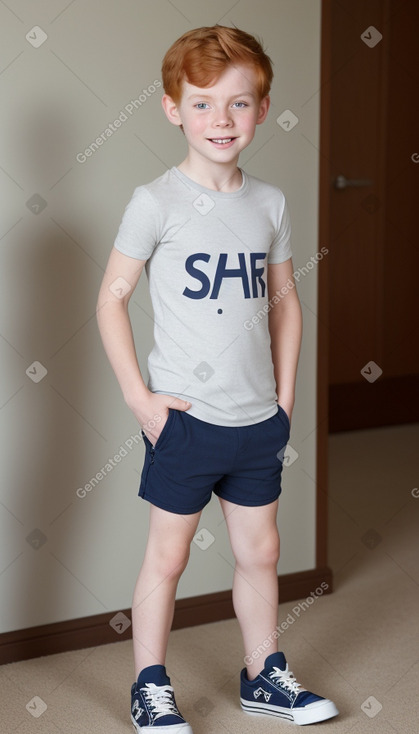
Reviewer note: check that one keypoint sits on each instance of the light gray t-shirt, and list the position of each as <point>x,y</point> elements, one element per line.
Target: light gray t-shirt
<point>207,254</point>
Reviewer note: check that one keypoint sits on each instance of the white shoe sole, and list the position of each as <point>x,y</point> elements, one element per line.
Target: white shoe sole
<point>172,729</point>
<point>311,714</point>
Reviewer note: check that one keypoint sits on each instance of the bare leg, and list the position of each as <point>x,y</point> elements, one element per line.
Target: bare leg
<point>255,543</point>
<point>166,557</point>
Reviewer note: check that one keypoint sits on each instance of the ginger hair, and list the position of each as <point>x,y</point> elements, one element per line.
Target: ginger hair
<point>200,57</point>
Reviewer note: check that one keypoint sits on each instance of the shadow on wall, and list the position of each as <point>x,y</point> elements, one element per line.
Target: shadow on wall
<point>49,322</point>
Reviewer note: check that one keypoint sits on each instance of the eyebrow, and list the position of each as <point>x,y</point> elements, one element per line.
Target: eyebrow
<point>207,96</point>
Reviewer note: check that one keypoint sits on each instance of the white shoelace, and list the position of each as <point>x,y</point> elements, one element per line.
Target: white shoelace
<point>286,679</point>
<point>160,699</point>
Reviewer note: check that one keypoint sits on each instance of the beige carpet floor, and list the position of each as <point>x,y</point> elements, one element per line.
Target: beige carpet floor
<point>358,646</point>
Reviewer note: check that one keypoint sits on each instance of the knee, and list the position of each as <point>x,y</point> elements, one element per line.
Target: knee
<point>268,553</point>
<point>261,552</point>
<point>169,561</point>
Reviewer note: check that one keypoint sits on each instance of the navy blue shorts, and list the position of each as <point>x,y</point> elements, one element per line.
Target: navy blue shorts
<point>193,458</point>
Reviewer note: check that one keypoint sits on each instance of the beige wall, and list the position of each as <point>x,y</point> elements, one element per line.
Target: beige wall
<point>59,432</point>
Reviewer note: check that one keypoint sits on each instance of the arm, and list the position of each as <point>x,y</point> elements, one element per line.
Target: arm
<point>115,326</point>
<point>285,328</point>
<point>118,341</point>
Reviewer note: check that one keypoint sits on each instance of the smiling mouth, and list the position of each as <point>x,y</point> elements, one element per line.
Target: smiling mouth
<point>221,141</point>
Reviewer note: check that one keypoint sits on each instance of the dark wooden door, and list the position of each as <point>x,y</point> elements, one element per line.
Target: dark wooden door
<point>373,267</point>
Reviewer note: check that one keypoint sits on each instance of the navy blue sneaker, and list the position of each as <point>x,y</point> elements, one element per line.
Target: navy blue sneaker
<point>276,692</point>
<point>153,705</point>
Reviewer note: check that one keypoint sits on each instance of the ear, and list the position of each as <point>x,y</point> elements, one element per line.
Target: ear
<point>171,110</point>
<point>263,109</point>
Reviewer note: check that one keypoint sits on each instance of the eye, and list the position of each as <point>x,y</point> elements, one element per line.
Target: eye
<point>240,104</point>
<point>201,105</point>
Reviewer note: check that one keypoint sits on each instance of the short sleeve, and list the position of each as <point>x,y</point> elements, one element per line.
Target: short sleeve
<point>138,233</point>
<point>280,249</point>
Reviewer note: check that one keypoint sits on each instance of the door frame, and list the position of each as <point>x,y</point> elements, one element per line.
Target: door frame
<point>322,473</point>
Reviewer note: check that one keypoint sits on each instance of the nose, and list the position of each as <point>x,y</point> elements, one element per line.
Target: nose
<point>222,117</point>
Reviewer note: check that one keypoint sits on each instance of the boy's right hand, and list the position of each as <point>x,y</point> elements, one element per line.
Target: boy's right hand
<point>153,412</point>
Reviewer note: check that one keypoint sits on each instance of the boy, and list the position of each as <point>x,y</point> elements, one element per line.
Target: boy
<point>216,411</point>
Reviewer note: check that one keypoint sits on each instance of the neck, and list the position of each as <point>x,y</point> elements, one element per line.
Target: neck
<point>225,177</point>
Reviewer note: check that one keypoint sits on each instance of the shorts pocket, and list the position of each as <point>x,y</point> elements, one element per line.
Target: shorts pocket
<point>162,437</point>
<point>166,429</point>
<point>282,414</point>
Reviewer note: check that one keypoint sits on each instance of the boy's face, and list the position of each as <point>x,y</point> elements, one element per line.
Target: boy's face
<point>227,111</point>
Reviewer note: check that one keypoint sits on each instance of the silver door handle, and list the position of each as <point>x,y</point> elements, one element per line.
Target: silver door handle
<point>341,182</point>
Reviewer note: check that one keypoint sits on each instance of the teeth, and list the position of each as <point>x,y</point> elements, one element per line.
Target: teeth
<point>222,141</point>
